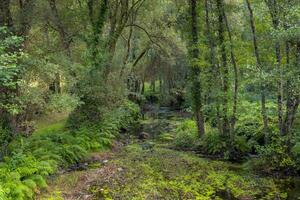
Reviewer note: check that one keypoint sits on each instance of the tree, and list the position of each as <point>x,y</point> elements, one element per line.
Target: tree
<point>224,68</point>
<point>5,14</point>
<point>10,106</point>
<point>259,66</point>
<point>196,89</point>
<point>236,78</point>
<point>274,12</point>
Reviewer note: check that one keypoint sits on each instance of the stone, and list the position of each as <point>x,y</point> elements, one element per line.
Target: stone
<point>144,136</point>
<point>120,169</point>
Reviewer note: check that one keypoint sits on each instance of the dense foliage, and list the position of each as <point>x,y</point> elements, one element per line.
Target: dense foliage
<point>32,159</point>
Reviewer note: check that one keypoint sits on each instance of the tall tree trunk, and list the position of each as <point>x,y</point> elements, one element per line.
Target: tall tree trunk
<point>236,82</point>
<point>280,88</point>
<point>293,97</point>
<point>224,68</point>
<point>64,36</point>
<point>214,68</point>
<point>65,41</point>
<point>55,87</point>
<point>273,9</point>
<point>97,21</point>
<point>160,85</point>
<point>128,47</point>
<point>26,9</point>
<point>25,17</point>
<point>212,50</point>
<point>259,66</point>
<point>5,14</point>
<point>5,20</point>
<point>143,86</point>
<point>195,70</point>
<point>117,25</point>
<point>153,85</point>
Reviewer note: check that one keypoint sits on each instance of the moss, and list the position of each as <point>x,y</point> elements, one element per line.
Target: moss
<point>167,174</point>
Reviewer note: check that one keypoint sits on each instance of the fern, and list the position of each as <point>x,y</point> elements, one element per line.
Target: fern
<point>30,183</point>
<point>39,180</point>
<point>34,158</point>
<point>2,194</point>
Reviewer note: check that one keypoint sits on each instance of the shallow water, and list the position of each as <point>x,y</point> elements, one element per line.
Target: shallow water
<point>289,185</point>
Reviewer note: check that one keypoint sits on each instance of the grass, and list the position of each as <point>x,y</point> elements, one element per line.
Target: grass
<point>55,122</point>
<point>64,182</point>
<point>55,127</point>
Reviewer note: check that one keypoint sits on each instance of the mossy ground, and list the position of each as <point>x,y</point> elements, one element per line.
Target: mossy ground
<point>152,170</point>
<point>159,173</point>
<point>141,171</point>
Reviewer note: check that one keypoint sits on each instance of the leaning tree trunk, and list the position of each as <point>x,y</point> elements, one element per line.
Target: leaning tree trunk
<point>259,66</point>
<point>64,36</point>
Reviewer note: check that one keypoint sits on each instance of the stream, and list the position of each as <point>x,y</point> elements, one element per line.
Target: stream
<point>151,170</point>
<point>289,184</point>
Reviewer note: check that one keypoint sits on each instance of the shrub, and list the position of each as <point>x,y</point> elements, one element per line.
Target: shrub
<point>242,145</point>
<point>186,135</point>
<point>250,123</point>
<point>213,143</point>
<point>21,175</point>
<point>166,137</point>
<point>5,138</point>
<point>2,193</point>
<point>152,97</point>
<point>62,103</point>
<point>276,156</point>
<point>296,154</point>
<point>99,96</point>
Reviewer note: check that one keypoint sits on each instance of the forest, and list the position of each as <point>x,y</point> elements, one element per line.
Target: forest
<point>149,99</point>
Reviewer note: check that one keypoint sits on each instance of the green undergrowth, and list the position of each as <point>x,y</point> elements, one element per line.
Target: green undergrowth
<point>50,128</point>
<point>159,173</point>
<point>24,171</point>
<point>273,157</point>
